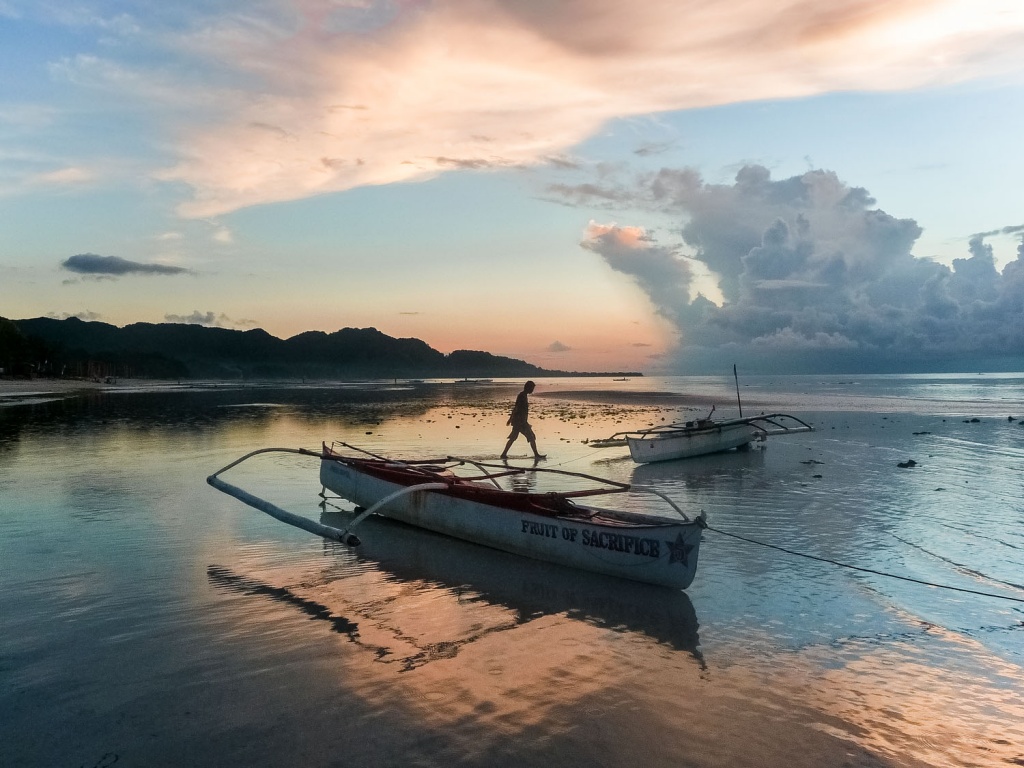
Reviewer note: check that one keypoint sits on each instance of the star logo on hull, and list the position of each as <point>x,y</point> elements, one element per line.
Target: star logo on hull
<point>679,550</point>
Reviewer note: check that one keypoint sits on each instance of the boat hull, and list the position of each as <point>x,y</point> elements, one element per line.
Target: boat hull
<point>661,553</point>
<point>684,444</point>
<point>528,587</point>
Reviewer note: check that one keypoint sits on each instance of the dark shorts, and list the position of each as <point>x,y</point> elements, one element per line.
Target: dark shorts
<point>522,429</point>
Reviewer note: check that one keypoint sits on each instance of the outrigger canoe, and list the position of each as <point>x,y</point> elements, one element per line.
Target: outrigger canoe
<point>464,499</point>
<point>683,440</point>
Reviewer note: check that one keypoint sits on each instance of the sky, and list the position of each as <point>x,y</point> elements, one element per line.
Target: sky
<point>665,186</point>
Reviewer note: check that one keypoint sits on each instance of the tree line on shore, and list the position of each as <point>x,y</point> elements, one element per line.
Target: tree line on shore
<point>83,349</point>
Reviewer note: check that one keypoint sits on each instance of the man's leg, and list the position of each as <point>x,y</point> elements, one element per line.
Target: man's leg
<point>511,439</point>
<point>532,438</point>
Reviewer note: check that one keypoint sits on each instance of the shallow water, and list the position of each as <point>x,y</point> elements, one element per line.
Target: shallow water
<point>151,620</point>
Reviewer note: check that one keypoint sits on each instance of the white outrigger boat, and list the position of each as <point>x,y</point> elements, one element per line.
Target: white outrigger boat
<point>473,506</point>
<point>683,440</point>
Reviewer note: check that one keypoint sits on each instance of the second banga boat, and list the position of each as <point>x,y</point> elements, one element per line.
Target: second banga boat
<point>684,440</point>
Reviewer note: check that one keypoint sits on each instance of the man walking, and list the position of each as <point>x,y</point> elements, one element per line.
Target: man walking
<point>519,421</point>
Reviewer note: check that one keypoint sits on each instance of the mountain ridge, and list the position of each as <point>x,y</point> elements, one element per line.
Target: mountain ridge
<point>75,347</point>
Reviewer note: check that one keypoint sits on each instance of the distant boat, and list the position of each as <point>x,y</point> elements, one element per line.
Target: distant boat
<point>701,437</point>
<point>473,506</point>
<point>622,379</point>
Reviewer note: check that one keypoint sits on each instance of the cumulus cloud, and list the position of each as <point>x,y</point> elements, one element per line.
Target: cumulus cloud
<point>87,315</point>
<point>813,275</point>
<point>557,346</point>
<point>282,100</point>
<point>115,266</point>
<point>200,318</point>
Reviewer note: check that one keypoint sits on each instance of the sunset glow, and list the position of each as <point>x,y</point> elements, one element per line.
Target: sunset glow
<point>436,170</point>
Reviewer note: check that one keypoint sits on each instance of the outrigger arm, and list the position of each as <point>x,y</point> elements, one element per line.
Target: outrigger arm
<point>343,536</point>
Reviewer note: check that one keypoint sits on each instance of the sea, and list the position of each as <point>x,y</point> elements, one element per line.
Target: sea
<point>859,597</point>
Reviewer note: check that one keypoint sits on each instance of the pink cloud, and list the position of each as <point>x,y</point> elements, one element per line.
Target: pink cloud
<point>417,89</point>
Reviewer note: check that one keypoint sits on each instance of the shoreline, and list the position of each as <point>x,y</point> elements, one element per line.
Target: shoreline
<point>34,391</point>
<point>27,388</point>
<point>23,392</point>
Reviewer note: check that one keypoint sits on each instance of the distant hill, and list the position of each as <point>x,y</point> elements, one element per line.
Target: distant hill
<point>75,347</point>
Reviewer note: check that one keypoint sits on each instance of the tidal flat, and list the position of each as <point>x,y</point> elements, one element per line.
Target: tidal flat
<point>149,620</point>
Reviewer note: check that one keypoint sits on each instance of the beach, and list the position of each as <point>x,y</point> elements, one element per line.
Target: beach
<point>153,621</point>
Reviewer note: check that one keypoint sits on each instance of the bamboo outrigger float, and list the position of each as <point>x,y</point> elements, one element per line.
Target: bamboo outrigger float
<point>463,498</point>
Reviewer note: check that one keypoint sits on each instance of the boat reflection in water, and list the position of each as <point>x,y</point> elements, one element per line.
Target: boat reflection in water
<point>530,588</point>
<point>720,470</point>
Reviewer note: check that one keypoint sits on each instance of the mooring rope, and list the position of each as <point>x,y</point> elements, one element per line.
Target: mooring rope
<point>865,570</point>
<point>577,458</point>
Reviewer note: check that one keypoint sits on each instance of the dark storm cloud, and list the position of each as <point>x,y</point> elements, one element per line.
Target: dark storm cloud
<point>91,264</point>
<point>815,276</point>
